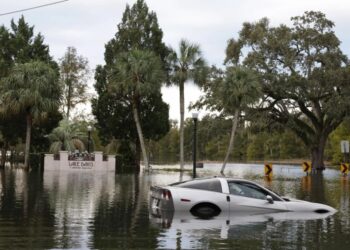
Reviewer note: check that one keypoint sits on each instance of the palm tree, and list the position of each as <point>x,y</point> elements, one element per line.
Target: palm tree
<point>239,89</point>
<point>65,137</point>
<point>136,74</point>
<point>188,65</point>
<point>32,89</point>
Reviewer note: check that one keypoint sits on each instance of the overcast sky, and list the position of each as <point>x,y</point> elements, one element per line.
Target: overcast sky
<point>89,24</point>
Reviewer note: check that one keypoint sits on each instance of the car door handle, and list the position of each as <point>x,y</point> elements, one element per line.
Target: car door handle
<point>228,198</point>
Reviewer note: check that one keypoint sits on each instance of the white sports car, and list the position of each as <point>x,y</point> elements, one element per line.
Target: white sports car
<point>210,196</point>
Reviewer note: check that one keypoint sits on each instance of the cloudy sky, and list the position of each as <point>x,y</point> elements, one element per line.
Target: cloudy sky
<point>89,24</point>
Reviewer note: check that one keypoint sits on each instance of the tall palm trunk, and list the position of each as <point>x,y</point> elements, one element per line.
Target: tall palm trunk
<point>232,139</point>
<point>182,114</point>
<point>140,134</point>
<point>27,147</point>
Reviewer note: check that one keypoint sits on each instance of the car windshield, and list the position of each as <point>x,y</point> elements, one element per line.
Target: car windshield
<point>204,184</point>
<point>250,190</point>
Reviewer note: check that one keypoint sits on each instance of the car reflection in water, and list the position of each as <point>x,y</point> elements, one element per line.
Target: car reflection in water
<point>187,223</point>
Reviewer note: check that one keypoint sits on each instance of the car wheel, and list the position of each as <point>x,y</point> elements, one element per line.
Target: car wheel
<point>205,211</point>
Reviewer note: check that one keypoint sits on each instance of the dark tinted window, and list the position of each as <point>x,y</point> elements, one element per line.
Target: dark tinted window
<point>209,185</point>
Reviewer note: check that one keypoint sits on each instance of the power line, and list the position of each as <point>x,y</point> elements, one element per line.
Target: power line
<point>32,8</point>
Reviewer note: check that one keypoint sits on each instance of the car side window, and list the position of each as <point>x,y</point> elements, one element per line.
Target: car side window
<point>209,185</point>
<point>248,190</point>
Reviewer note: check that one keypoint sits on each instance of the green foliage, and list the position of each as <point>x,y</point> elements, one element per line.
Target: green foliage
<point>239,90</point>
<point>74,72</point>
<point>187,65</point>
<point>125,159</point>
<point>213,137</point>
<point>304,75</point>
<point>333,150</point>
<point>112,147</point>
<point>240,147</point>
<point>40,142</point>
<point>31,89</point>
<point>115,120</point>
<point>12,128</point>
<point>255,150</point>
<point>291,147</point>
<point>215,149</point>
<point>137,74</point>
<point>236,88</point>
<point>6,59</point>
<point>66,137</point>
<point>138,39</point>
<point>18,46</point>
<point>25,46</point>
<point>251,144</point>
<point>230,93</point>
<point>139,29</point>
<point>165,150</point>
<point>272,146</point>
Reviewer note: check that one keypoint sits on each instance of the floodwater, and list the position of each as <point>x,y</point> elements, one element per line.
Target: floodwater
<point>87,210</point>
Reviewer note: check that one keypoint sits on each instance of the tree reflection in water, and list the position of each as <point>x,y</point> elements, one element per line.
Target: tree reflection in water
<point>26,217</point>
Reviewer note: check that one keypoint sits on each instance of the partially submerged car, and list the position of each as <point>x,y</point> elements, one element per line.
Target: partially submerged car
<point>208,197</point>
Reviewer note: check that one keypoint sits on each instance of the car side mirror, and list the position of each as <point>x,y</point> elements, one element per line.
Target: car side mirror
<point>269,199</point>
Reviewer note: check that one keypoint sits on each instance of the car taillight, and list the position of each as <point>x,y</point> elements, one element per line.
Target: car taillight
<point>166,194</point>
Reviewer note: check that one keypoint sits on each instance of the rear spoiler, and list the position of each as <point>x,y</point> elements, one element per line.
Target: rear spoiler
<point>155,188</point>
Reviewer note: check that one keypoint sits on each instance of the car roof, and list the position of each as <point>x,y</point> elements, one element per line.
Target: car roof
<point>213,178</point>
<point>223,178</point>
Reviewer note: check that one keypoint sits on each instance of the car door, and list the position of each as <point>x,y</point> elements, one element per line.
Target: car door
<point>248,197</point>
<point>200,191</point>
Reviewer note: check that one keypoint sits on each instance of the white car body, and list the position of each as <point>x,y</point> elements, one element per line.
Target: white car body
<point>211,196</point>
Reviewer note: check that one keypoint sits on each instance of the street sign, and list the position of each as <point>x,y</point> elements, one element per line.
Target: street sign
<point>268,169</point>
<point>306,166</point>
<point>344,146</point>
<point>344,168</point>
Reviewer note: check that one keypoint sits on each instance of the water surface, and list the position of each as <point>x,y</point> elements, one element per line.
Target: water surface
<point>87,210</point>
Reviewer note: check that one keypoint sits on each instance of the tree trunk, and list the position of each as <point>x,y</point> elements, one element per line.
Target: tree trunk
<point>232,139</point>
<point>12,158</point>
<point>182,115</point>
<point>137,156</point>
<point>68,111</point>
<point>317,152</point>
<point>4,155</point>
<point>27,147</point>
<point>139,132</point>
<point>69,99</point>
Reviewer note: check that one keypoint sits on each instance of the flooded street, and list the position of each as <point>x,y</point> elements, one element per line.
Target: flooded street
<point>83,210</point>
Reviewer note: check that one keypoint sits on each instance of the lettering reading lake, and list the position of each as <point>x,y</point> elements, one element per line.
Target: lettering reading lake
<point>81,164</point>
